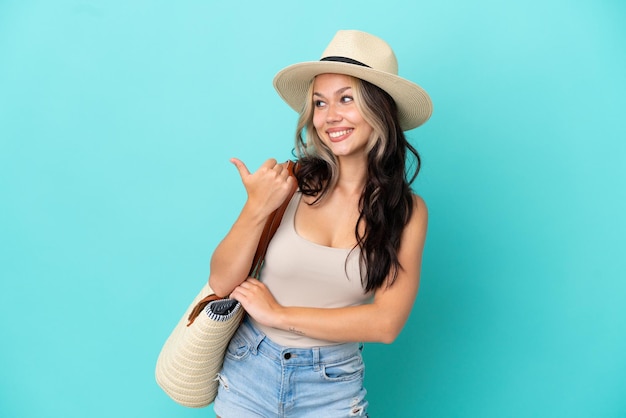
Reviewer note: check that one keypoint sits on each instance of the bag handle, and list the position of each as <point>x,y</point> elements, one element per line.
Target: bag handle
<point>271,225</point>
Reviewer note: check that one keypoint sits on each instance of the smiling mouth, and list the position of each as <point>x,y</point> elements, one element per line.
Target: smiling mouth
<point>338,134</point>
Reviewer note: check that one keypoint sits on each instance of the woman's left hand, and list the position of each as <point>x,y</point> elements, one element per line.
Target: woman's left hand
<point>257,300</point>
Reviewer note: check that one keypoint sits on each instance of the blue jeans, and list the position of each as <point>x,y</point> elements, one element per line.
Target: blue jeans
<point>262,379</point>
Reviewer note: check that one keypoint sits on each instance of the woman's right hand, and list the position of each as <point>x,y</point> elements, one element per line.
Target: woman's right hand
<point>267,188</point>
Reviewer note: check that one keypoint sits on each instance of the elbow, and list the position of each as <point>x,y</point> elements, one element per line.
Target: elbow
<point>388,332</point>
<point>220,291</point>
<point>388,337</point>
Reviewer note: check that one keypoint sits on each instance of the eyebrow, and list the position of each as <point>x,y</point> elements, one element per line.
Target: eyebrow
<point>341,90</point>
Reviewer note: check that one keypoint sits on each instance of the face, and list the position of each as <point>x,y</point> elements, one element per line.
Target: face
<point>336,118</point>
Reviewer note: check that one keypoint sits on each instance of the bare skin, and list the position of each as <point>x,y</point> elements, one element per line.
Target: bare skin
<point>330,223</point>
<point>267,188</point>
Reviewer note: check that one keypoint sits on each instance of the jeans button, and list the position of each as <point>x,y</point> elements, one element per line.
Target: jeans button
<point>287,356</point>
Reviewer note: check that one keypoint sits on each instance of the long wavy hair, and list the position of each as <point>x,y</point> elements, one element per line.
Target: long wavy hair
<point>386,202</point>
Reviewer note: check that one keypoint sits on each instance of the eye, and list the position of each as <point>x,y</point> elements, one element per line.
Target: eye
<point>346,99</point>
<point>319,103</point>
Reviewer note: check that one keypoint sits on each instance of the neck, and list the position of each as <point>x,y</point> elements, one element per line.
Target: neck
<point>352,175</point>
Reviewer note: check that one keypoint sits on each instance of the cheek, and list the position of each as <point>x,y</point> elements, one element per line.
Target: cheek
<point>369,130</point>
<point>357,120</point>
<point>355,116</point>
<point>318,120</point>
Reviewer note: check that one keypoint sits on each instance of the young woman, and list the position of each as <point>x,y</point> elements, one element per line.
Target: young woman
<point>344,265</point>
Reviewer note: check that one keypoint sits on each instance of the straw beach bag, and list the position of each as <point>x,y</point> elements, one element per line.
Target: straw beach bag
<point>191,357</point>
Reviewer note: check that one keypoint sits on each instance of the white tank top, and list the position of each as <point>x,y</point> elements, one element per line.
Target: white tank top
<point>299,272</point>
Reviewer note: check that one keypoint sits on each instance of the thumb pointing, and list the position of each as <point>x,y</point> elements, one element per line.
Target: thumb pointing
<point>241,167</point>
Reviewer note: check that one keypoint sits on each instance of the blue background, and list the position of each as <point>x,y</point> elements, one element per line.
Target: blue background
<point>117,120</point>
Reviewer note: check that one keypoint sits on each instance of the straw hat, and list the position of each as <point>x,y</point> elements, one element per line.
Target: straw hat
<point>364,56</point>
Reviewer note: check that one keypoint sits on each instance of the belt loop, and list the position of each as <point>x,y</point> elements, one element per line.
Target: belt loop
<point>256,338</point>
<point>316,358</point>
<point>256,342</point>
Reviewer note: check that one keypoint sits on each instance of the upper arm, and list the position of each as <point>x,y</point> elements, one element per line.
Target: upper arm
<point>397,299</point>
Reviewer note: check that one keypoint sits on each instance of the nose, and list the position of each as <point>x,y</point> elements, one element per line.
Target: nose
<point>333,114</point>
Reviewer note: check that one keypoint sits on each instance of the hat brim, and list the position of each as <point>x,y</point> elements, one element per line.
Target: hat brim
<point>414,104</point>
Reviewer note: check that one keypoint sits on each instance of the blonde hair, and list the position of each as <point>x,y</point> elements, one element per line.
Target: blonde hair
<point>386,202</point>
<point>308,144</point>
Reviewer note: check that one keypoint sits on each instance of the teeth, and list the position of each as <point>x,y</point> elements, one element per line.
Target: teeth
<point>339,133</point>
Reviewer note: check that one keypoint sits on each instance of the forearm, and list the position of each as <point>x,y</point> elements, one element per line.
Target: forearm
<point>231,260</point>
<point>381,320</point>
<point>365,323</point>
<point>378,321</point>
<point>267,189</point>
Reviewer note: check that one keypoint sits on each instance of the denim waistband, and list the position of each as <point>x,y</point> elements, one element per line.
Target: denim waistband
<point>260,343</point>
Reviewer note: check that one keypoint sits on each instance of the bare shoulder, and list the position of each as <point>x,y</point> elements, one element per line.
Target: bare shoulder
<point>420,212</point>
<point>414,234</point>
<point>414,237</point>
